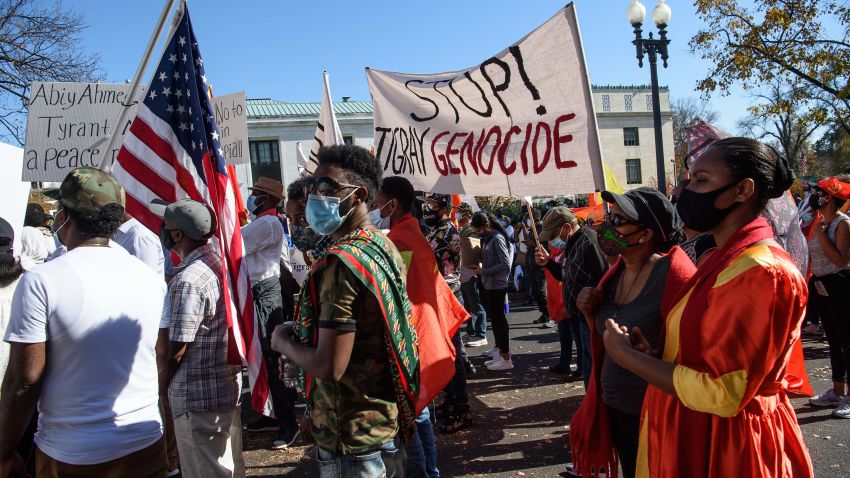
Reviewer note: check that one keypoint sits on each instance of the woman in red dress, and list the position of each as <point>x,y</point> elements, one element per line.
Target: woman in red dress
<point>717,402</point>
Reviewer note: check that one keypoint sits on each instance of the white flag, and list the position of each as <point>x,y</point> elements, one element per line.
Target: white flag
<point>327,131</point>
<point>300,158</point>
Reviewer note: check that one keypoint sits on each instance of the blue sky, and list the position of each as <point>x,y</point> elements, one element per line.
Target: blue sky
<point>278,49</point>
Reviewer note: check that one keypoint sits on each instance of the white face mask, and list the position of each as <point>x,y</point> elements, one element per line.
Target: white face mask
<point>56,229</point>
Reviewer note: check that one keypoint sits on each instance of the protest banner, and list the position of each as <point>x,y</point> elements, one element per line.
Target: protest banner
<point>69,124</point>
<point>520,123</point>
<point>231,115</point>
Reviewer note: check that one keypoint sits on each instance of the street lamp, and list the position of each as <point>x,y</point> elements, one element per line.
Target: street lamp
<point>653,48</point>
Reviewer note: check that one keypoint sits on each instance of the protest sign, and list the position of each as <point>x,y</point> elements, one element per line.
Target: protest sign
<point>520,123</point>
<point>230,114</point>
<point>69,124</point>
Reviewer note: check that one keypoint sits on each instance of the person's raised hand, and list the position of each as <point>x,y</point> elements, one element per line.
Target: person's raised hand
<point>617,341</point>
<point>588,301</point>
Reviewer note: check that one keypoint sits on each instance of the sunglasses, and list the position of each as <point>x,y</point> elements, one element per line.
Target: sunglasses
<point>617,220</point>
<point>325,186</point>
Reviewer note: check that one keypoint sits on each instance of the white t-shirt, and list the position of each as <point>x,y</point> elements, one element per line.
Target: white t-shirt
<point>34,247</point>
<point>265,248</point>
<point>99,310</point>
<point>142,244</point>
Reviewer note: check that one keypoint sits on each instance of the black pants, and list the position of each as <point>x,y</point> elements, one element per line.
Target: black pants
<point>456,389</point>
<point>625,431</point>
<point>494,304</point>
<point>268,307</point>
<point>537,279</point>
<point>832,310</point>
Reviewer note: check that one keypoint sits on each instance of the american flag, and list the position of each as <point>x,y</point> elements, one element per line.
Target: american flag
<point>172,151</point>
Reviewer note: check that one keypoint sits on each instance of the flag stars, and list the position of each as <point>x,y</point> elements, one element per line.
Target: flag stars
<point>199,61</point>
<point>166,91</point>
<point>184,58</point>
<point>178,93</point>
<point>152,95</point>
<point>172,58</point>
<point>176,76</point>
<point>169,108</point>
<point>183,126</point>
<point>162,76</point>
<point>215,135</point>
<point>204,79</point>
<point>193,146</point>
<point>181,109</point>
<point>182,41</point>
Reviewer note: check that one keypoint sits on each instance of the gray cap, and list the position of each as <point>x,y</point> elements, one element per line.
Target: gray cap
<point>195,219</point>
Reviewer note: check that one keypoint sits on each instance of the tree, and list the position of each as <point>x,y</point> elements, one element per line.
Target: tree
<point>686,113</point>
<point>787,117</point>
<point>805,40</point>
<point>832,153</point>
<point>37,43</point>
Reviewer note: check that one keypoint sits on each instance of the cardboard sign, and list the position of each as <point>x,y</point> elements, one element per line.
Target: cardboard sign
<point>69,124</point>
<point>232,118</point>
<point>520,123</point>
<point>470,252</point>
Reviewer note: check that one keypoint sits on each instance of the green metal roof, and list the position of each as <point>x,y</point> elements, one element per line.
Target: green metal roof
<point>269,108</point>
<point>266,107</point>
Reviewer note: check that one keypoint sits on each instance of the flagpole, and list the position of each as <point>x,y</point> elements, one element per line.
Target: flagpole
<point>106,162</point>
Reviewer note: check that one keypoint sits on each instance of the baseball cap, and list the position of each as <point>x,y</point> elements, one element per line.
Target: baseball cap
<point>465,208</point>
<point>88,190</point>
<point>7,236</point>
<point>444,200</point>
<point>553,220</point>
<point>649,208</point>
<point>194,218</point>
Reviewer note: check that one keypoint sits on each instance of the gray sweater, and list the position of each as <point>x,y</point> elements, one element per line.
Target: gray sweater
<point>496,258</point>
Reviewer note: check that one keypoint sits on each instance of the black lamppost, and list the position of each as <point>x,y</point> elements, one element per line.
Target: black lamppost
<point>653,48</point>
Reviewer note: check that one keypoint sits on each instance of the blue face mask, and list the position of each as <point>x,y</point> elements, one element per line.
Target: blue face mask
<point>249,204</point>
<point>558,243</point>
<point>323,213</point>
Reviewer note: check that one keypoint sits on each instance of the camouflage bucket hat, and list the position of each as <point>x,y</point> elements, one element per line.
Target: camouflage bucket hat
<point>88,190</point>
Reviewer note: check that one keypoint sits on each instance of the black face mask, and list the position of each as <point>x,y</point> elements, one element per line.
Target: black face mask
<point>816,201</point>
<point>165,238</point>
<point>304,238</point>
<point>698,211</point>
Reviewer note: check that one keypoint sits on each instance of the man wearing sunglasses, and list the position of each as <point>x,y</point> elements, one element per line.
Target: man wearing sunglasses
<point>353,338</point>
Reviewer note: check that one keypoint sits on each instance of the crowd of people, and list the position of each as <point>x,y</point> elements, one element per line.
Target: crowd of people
<point>685,314</point>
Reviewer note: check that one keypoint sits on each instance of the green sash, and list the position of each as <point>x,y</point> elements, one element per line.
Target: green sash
<point>369,256</point>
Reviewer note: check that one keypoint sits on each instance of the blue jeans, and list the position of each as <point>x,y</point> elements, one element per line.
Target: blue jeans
<point>477,325</point>
<point>565,336</point>
<point>378,463</point>
<point>421,450</point>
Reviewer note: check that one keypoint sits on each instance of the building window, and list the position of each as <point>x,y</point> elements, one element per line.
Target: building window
<point>348,139</point>
<point>606,102</point>
<point>633,175</point>
<point>265,159</point>
<point>628,100</point>
<point>630,137</point>
<point>648,102</point>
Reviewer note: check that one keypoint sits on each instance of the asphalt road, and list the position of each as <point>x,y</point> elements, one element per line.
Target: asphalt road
<point>521,418</point>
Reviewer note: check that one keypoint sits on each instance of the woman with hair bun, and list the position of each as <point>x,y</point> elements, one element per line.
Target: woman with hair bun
<point>717,402</point>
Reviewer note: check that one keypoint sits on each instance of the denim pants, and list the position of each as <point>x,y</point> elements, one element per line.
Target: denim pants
<point>381,462</point>
<point>536,278</point>
<point>584,352</point>
<point>565,336</point>
<point>421,450</point>
<point>477,324</point>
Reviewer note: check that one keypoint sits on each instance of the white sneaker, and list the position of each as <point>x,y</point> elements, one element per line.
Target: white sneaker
<point>501,364</point>
<point>843,410</point>
<point>827,399</point>
<point>492,353</point>
<point>477,342</point>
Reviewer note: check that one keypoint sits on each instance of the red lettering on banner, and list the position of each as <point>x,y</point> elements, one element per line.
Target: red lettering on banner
<point>503,150</point>
<point>539,167</point>
<point>522,154</point>
<point>437,158</point>
<point>470,152</point>
<point>498,132</point>
<point>559,140</point>
<point>449,152</point>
